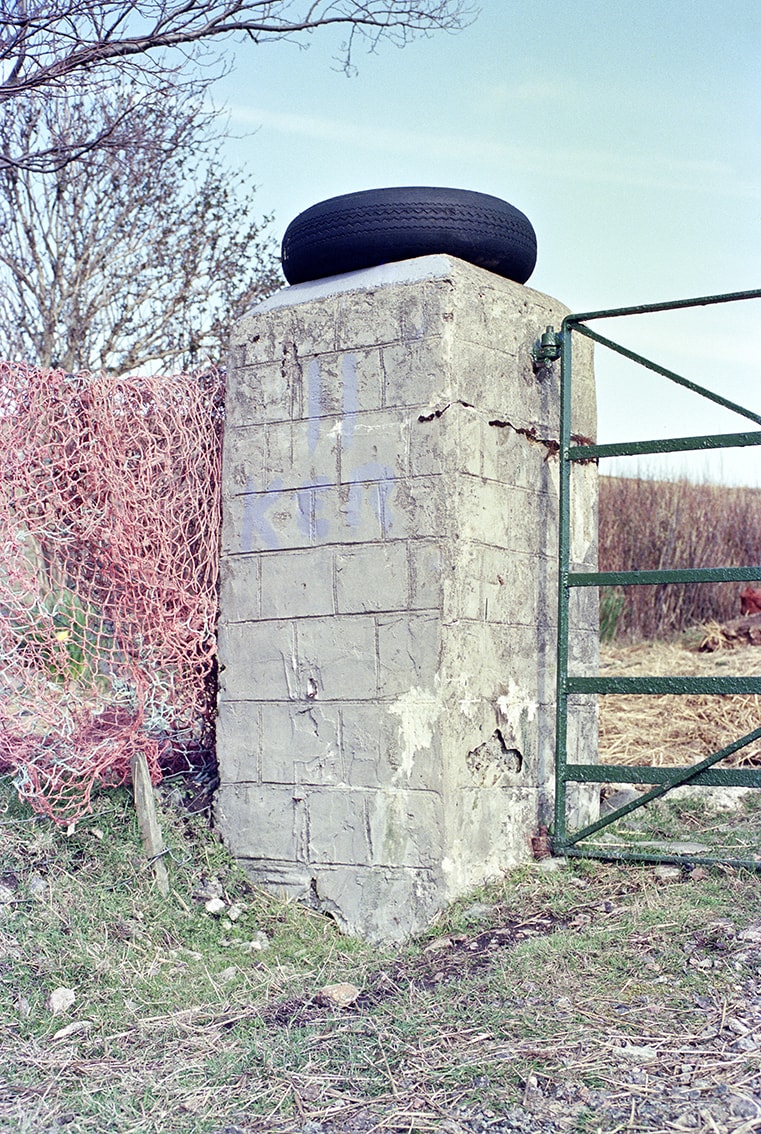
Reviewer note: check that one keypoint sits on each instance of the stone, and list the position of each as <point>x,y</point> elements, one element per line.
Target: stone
<point>215,906</point>
<point>387,622</point>
<point>639,1053</point>
<point>668,873</point>
<point>342,995</point>
<point>60,1000</point>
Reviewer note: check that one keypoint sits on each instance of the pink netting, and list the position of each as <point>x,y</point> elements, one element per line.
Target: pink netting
<point>109,530</point>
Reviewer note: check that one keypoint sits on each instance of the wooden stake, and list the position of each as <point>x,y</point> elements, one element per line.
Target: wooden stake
<point>145,806</point>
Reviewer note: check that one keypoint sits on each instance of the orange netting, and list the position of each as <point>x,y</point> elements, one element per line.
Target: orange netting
<point>109,529</point>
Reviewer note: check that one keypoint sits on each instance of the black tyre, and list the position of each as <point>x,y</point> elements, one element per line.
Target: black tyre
<point>380,226</point>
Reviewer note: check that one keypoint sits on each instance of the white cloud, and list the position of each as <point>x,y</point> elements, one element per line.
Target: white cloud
<point>573,163</point>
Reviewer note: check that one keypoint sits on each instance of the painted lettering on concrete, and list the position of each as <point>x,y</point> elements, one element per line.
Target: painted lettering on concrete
<point>378,480</point>
<point>256,526</point>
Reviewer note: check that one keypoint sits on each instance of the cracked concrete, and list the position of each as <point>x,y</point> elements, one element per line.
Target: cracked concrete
<point>387,629</point>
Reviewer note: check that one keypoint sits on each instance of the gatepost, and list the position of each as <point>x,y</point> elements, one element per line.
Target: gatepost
<point>389,588</point>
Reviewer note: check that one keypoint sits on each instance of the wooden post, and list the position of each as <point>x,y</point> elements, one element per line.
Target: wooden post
<point>145,806</point>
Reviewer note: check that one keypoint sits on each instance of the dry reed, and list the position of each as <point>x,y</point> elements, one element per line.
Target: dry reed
<point>655,525</point>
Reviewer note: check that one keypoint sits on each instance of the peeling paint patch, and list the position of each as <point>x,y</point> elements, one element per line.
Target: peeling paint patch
<point>418,710</point>
<point>512,706</point>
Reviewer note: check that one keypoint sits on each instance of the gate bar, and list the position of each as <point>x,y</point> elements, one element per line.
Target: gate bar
<point>667,445</point>
<point>667,305</point>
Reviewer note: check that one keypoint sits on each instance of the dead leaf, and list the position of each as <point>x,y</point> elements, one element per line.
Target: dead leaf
<point>72,1029</point>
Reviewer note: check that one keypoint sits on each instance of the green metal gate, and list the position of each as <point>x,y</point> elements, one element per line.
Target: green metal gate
<point>706,772</point>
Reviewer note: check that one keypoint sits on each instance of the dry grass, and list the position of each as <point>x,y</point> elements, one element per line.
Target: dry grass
<point>655,525</point>
<point>676,730</point>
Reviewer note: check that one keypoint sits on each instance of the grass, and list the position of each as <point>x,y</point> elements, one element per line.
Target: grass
<point>539,996</point>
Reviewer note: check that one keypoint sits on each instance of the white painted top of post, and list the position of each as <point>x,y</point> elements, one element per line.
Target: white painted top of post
<point>401,272</point>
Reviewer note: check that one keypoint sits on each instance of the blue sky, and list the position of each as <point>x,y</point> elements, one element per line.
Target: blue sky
<point>629,134</point>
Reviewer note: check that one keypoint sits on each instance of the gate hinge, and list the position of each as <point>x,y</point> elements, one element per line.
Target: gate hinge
<point>547,349</point>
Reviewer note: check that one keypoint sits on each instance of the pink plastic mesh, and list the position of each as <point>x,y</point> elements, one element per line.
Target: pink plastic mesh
<point>109,532</point>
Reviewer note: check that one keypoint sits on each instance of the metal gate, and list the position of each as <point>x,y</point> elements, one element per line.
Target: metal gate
<point>707,772</point>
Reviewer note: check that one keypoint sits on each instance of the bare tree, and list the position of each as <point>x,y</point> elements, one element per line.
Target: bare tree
<point>144,250</point>
<point>45,45</point>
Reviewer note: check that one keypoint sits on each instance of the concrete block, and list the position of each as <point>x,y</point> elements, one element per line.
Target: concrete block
<point>266,519</point>
<point>300,743</point>
<point>446,439</point>
<point>239,741</point>
<point>392,745</point>
<point>405,828</point>
<point>376,447</point>
<point>313,332</point>
<point>490,833</point>
<point>367,319</point>
<point>260,821</point>
<point>367,507</point>
<point>338,827</point>
<point>420,507</point>
<point>427,564</point>
<point>418,373</point>
<point>382,905</point>
<point>297,584</point>
<point>258,661</point>
<point>245,457</point>
<point>302,455</point>
<point>287,879</point>
<point>372,578</point>
<point>267,392</point>
<point>409,650</point>
<point>240,587</point>
<point>337,656</point>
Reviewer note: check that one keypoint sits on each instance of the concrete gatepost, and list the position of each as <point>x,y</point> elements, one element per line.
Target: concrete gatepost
<point>388,599</point>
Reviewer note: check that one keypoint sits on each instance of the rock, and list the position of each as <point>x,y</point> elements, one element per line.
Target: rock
<point>668,873</point>
<point>60,1000</point>
<point>743,1107</point>
<point>215,906</point>
<point>258,942</point>
<point>6,895</point>
<point>72,1029</point>
<point>611,799</point>
<point>637,1054</point>
<point>37,887</point>
<point>550,865</point>
<point>343,995</point>
<point>479,911</point>
<point>207,889</point>
<point>234,912</point>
